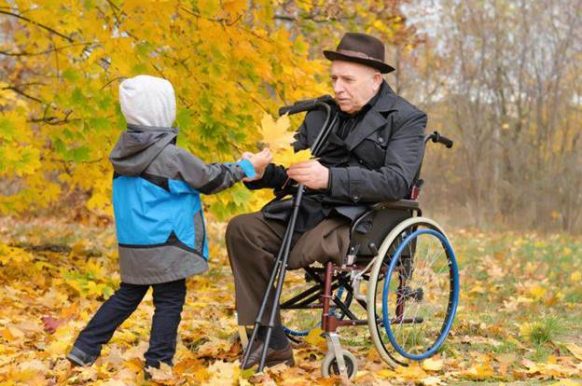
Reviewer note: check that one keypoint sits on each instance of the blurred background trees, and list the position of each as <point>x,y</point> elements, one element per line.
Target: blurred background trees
<point>502,78</point>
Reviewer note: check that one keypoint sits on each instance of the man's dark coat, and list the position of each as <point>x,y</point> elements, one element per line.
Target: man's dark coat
<point>377,161</point>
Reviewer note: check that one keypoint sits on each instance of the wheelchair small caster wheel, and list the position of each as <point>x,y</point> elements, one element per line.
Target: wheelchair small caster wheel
<point>330,367</point>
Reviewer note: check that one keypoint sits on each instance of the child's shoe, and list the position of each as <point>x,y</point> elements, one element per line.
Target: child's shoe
<point>79,358</point>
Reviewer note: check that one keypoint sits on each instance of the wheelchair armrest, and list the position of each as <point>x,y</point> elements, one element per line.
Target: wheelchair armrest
<point>402,204</point>
<point>399,204</point>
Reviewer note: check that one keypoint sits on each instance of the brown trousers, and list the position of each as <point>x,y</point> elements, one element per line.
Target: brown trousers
<point>253,243</point>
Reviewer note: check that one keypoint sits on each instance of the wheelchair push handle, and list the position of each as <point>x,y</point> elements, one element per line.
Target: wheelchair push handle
<point>305,105</point>
<point>438,138</point>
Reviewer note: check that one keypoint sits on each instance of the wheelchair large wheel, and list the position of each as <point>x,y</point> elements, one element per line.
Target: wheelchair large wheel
<point>413,292</point>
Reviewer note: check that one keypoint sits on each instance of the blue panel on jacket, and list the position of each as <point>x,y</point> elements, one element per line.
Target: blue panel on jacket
<point>146,214</point>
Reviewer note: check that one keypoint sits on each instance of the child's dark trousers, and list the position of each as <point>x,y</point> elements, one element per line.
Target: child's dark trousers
<point>168,301</point>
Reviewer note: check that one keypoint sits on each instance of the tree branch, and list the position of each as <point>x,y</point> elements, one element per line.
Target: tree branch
<point>20,92</point>
<point>24,53</point>
<point>47,28</point>
<point>312,18</point>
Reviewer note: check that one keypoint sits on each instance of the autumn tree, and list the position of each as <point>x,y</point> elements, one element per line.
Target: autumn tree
<point>229,61</point>
<point>62,61</point>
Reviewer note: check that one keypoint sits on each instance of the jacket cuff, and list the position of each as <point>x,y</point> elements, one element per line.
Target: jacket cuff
<point>338,181</point>
<point>329,179</point>
<point>260,183</point>
<point>247,168</point>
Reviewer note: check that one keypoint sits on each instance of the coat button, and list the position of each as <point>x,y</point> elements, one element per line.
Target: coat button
<point>361,162</point>
<point>356,197</point>
<point>380,139</point>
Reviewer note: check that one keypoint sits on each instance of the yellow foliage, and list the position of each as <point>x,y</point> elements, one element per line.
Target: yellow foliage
<point>15,257</point>
<point>223,63</point>
<point>231,62</point>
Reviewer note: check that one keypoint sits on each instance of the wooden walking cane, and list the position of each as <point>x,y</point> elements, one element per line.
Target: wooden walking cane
<point>280,266</point>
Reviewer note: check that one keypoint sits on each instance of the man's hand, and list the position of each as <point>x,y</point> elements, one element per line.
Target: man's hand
<point>310,173</point>
<point>260,162</point>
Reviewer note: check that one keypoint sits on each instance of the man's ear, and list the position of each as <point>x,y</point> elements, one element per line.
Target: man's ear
<point>377,80</point>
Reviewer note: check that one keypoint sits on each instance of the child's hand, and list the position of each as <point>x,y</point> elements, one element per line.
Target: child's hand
<point>260,161</point>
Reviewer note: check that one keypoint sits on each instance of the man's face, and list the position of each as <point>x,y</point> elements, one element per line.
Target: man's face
<point>354,84</point>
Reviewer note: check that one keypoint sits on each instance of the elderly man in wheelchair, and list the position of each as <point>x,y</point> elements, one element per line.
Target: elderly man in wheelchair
<point>353,211</point>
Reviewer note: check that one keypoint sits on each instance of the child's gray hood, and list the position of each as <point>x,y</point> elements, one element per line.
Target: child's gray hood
<point>148,104</point>
<point>138,146</point>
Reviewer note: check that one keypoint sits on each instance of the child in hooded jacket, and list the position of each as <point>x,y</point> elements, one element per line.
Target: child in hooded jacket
<point>159,218</point>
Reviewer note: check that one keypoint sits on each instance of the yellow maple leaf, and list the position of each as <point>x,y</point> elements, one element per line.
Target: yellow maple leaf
<point>314,337</point>
<point>60,342</point>
<point>537,292</point>
<point>15,333</point>
<point>213,347</point>
<point>411,372</point>
<point>277,137</point>
<point>432,381</point>
<point>565,382</point>
<point>163,375</point>
<point>574,349</point>
<point>385,373</point>
<point>289,157</point>
<point>479,371</point>
<point>477,289</point>
<point>30,373</point>
<point>525,329</point>
<point>432,364</point>
<point>223,373</point>
<point>275,133</point>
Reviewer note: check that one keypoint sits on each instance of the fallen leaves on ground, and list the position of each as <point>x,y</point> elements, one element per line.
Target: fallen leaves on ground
<point>518,319</point>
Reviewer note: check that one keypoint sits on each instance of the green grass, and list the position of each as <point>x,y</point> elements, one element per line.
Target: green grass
<point>505,347</point>
<point>540,354</point>
<point>544,331</point>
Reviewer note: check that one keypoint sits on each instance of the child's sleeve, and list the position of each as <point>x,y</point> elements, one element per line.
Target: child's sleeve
<point>213,177</point>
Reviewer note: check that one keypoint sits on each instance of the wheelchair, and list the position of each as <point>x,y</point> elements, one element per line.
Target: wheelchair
<point>399,278</point>
<point>412,290</point>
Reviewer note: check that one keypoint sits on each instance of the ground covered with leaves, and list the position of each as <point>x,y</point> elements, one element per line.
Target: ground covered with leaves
<point>519,318</point>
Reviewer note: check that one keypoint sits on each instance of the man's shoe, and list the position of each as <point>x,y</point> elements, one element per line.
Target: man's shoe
<point>274,357</point>
<point>80,358</point>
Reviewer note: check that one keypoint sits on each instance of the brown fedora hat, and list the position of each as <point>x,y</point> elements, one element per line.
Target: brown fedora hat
<point>360,48</point>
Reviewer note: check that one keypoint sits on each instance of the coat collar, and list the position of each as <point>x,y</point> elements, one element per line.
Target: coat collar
<point>373,118</point>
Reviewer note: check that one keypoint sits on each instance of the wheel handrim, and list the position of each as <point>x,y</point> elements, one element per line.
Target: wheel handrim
<point>374,313</point>
<point>417,334</point>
